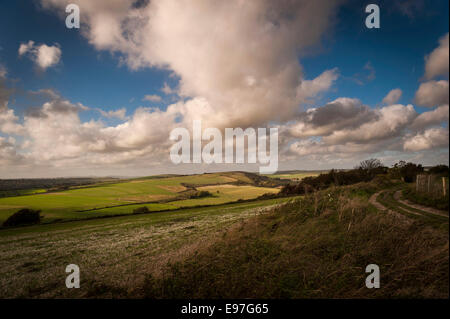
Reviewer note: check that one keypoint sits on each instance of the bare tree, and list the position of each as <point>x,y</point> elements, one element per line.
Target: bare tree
<point>370,164</point>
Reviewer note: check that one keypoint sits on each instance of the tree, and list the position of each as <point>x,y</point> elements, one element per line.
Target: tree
<point>370,164</point>
<point>408,171</point>
<point>25,216</point>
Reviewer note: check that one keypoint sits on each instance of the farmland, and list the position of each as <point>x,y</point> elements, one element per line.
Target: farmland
<point>127,246</point>
<point>122,197</point>
<point>284,246</point>
<point>295,175</point>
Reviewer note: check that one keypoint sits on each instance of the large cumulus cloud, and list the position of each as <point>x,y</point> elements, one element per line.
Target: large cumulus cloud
<point>240,57</point>
<point>237,65</point>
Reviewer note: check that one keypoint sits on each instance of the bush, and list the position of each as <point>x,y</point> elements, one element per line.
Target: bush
<point>334,177</point>
<point>406,171</point>
<point>24,216</point>
<point>200,194</point>
<point>141,210</point>
<point>440,170</point>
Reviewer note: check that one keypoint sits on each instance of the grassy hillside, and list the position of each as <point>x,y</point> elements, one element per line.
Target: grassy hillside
<point>316,247</point>
<point>114,254</point>
<point>311,246</point>
<point>226,193</point>
<point>97,200</point>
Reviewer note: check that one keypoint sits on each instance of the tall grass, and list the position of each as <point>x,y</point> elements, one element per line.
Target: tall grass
<point>315,247</point>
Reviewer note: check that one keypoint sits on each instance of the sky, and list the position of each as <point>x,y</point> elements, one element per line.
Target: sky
<point>102,99</point>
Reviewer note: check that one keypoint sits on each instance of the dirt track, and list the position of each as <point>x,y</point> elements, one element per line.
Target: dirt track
<point>415,209</point>
<point>430,210</point>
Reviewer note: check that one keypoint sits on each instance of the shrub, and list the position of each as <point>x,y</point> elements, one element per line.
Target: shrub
<point>24,216</point>
<point>334,177</point>
<point>204,194</point>
<point>199,194</point>
<point>407,171</point>
<point>441,170</point>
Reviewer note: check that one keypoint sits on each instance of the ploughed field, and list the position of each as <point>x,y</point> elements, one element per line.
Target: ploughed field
<point>123,196</point>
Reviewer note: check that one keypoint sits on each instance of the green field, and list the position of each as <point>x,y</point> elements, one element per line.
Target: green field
<point>22,192</point>
<point>226,193</point>
<point>295,175</point>
<point>156,193</point>
<point>120,250</point>
<point>309,246</point>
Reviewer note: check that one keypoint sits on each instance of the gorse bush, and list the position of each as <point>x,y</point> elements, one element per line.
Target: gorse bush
<point>24,216</point>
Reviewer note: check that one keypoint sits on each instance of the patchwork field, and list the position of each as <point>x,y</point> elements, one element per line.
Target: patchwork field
<point>226,193</point>
<point>122,197</point>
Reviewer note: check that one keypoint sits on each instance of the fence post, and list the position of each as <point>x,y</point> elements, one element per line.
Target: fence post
<point>443,186</point>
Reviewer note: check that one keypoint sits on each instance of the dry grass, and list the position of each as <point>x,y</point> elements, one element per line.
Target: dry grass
<point>317,247</point>
<point>114,255</point>
<point>314,247</point>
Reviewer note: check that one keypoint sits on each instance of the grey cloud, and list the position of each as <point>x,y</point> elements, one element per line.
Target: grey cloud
<point>390,122</point>
<point>339,114</point>
<point>8,153</point>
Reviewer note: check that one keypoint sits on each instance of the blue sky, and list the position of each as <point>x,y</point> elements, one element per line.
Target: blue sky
<point>84,75</point>
<point>396,52</point>
<point>370,62</point>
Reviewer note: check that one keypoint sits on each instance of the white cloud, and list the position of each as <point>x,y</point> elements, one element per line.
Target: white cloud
<point>166,89</point>
<point>436,63</point>
<point>8,153</point>
<point>239,58</point>
<point>9,122</point>
<point>430,138</point>
<point>310,146</point>
<point>392,97</point>
<point>152,98</point>
<point>311,88</point>
<point>237,65</point>
<point>119,114</point>
<point>43,56</point>
<point>434,117</point>
<point>432,93</point>
<point>26,47</point>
